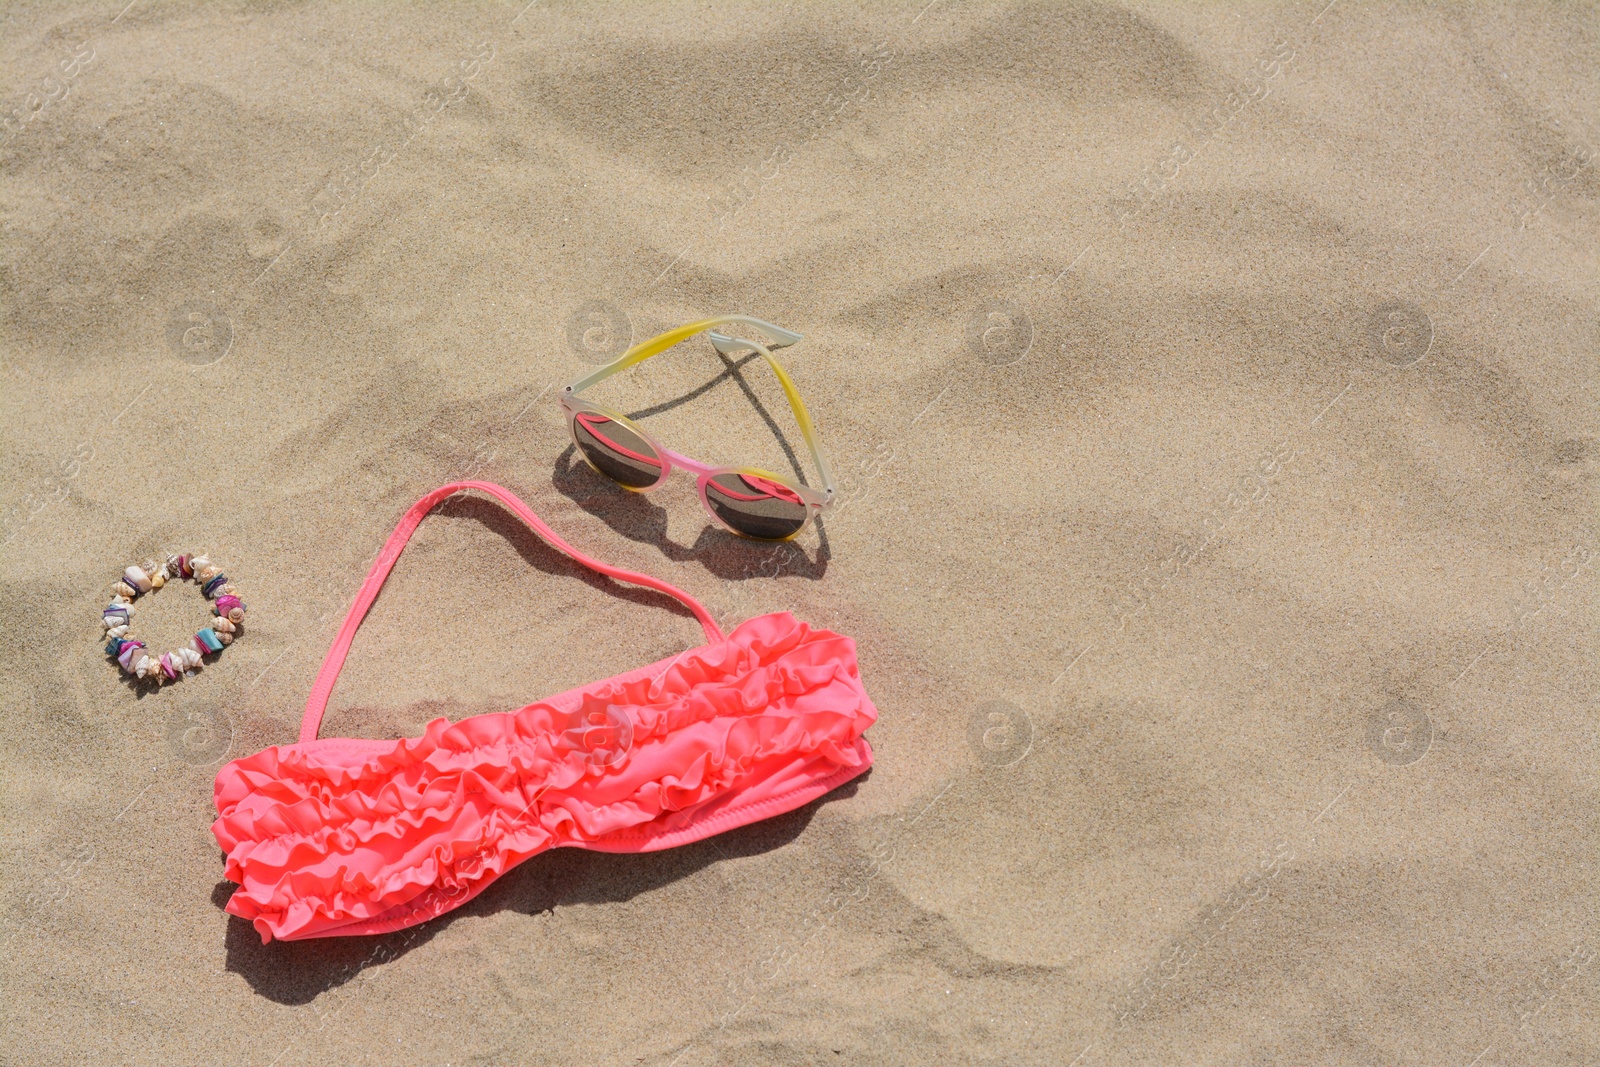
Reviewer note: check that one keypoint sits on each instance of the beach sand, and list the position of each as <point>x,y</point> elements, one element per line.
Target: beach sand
<point>1212,393</point>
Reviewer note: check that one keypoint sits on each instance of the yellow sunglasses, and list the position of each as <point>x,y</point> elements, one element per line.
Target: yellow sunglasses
<point>746,501</point>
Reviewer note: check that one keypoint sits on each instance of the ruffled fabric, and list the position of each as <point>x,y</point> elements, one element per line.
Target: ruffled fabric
<point>338,836</point>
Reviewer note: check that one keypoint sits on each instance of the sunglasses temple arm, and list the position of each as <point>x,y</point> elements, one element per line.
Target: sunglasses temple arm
<point>801,415</point>
<point>660,343</point>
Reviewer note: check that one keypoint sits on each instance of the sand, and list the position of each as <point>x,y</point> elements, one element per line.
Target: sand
<point>1213,396</point>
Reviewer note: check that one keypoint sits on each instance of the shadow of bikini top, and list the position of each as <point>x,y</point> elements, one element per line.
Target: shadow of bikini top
<point>344,836</point>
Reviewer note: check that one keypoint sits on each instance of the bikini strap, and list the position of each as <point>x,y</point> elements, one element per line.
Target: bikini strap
<point>322,688</point>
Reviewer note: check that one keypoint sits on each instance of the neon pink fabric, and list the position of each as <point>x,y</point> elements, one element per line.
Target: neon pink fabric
<point>343,836</point>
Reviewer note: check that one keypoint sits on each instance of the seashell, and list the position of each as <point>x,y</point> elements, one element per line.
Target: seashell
<point>206,573</point>
<point>151,567</point>
<point>236,615</point>
<point>157,580</point>
<point>229,589</point>
<point>174,566</point>
<point>128,653</point>
<point>117,631</point>
<point>123,589</point>
<point>136,577</point>
<point>225,638</point>
<point>190,657</point>
<point>213,585</point>
<point>223,625</point>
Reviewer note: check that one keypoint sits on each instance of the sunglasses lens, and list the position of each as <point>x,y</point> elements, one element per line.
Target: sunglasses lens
<point>755,506</point>
<point>616,451</point>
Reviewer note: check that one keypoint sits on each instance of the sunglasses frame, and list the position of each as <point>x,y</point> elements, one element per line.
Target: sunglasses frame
<point>815,501</point>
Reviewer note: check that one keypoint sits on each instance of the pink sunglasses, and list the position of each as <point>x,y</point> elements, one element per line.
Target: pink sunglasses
<point>746,501</point>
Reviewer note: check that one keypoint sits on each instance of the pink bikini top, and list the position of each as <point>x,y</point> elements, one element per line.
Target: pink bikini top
<point>344,836</point>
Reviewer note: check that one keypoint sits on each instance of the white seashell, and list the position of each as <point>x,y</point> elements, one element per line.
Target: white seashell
<point>151,567</point>
<point>197,562</point>
<point>136,577</point>
<point>125,590</point>
<point>117,631</point>
<point>223,625</point>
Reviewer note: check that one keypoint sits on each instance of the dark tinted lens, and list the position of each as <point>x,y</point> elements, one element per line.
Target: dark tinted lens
<point>616,451</point>
<point>756,506</point>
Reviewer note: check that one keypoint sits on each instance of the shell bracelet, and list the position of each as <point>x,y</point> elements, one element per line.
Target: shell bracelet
<point>226,623</point>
